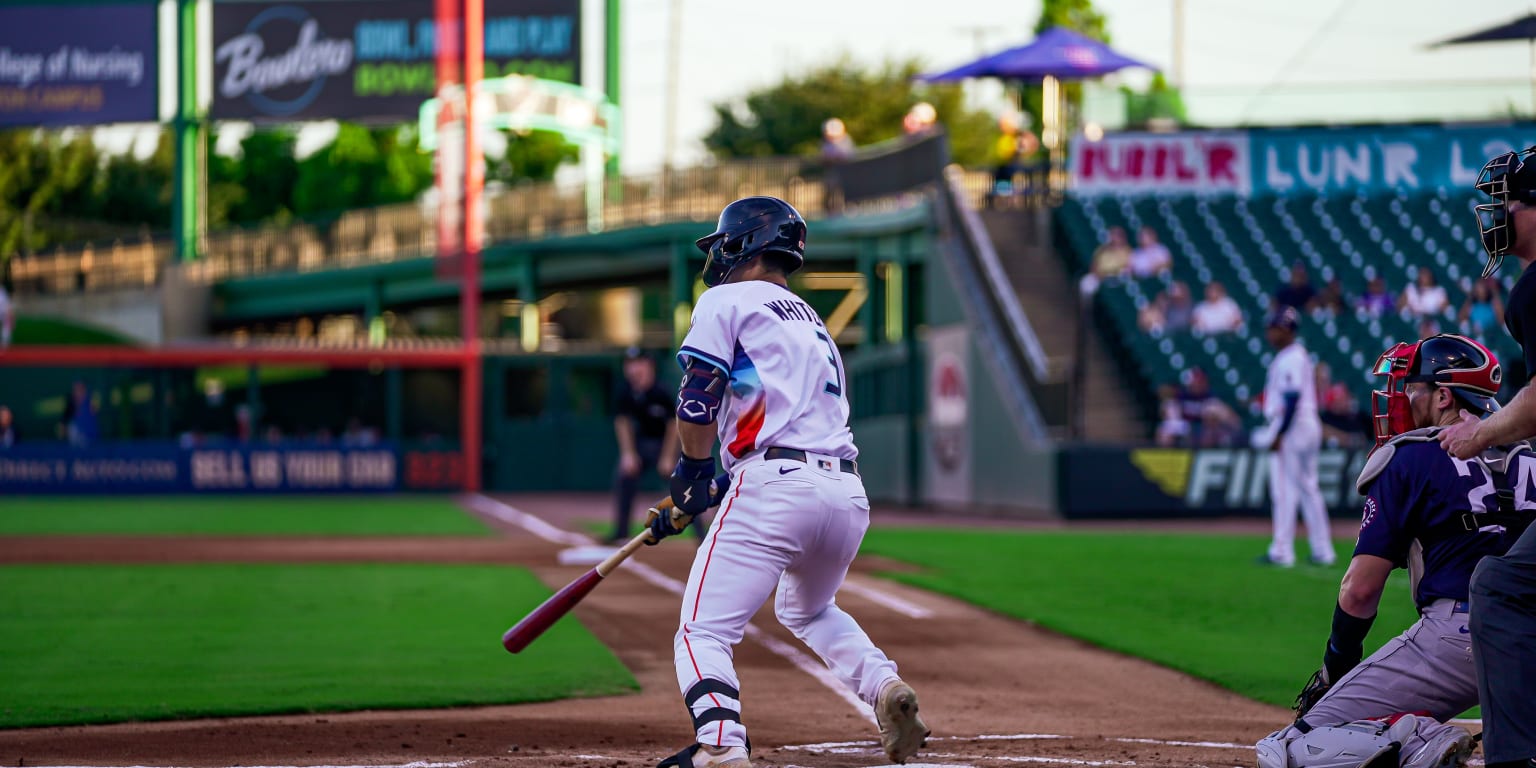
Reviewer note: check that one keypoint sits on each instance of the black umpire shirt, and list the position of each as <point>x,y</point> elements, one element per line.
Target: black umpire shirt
<point>1520,318</point>
<point>649,411</point>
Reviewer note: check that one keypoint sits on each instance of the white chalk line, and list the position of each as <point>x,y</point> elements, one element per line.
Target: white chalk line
<point>898,604</point>
<point>793,655</point>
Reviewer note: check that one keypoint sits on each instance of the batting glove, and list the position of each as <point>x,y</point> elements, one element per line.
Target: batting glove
<point>690,483</point>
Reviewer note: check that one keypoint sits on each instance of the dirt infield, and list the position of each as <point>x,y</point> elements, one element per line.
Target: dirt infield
<point>995,691</point>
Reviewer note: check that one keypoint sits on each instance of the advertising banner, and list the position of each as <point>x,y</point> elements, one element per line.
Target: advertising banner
<point>375,59</point>
<point>1368,159</point>
<point>1213,162</point>
<point>947,454</point>
<point>1379,158</point>
<point>1116,482</point>
<point>78,64</point>
<point>162,467</point>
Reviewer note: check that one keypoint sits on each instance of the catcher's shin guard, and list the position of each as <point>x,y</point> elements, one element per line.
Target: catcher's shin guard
<point>1361,744</point>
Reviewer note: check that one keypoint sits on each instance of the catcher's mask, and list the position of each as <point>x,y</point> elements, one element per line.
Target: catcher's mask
<point>1510,176</point>
<point>1457,363</point>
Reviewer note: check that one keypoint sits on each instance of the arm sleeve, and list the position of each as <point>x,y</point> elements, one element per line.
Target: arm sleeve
<point>712,333</point>
<point>1384,521</point>
<point>1291,399</point>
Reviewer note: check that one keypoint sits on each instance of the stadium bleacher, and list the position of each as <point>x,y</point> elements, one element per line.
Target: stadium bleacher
<point>1249,245</point>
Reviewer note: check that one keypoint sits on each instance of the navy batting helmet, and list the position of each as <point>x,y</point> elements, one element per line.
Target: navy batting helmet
<point>748,228</point>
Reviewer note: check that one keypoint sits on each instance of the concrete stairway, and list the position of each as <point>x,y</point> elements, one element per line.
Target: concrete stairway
<point>1049,298</point>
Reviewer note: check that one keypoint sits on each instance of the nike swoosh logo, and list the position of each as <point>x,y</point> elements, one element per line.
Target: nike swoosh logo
<point>787,470</point>
<point>1464,631</point>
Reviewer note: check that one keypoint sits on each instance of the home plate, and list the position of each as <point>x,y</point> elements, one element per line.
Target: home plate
<point>584,555</point>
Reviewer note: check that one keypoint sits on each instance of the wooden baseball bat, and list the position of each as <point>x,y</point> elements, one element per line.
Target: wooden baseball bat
<point>559,604</point>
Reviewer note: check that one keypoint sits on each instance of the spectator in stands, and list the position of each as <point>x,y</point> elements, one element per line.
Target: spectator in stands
<point>1152,318</point>
<point>1298,291</point>
<point>1151,258</point>
<point>1172,428</point>
<point>1213,424</point>
<point>920,121</point>
<point>7,317</point>
<point>1178,310</point>
<point>1483,309</point>
<point>1331,298</point>
<point>1005,160</point>
<point>1344,425</point>
<point>836,144</point>
<point>1377,300</point>
<point>1113,257</point>
<point>7,428</point>
<point>1423,297</point>
<point>1218,313</point>
<point>79,419</point>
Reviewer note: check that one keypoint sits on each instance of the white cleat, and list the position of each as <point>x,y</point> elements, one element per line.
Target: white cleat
<point>902,732</point>
<point>721,757</point>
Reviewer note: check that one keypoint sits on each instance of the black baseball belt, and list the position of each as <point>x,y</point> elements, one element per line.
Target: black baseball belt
<point>795,454</point>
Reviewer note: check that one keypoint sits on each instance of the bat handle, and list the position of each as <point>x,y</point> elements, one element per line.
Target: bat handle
<point>632,546</point>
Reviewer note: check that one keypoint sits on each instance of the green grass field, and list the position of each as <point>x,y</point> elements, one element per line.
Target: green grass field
<point>1195,603</point>
<point>89,644</point>
<point>238,515</point>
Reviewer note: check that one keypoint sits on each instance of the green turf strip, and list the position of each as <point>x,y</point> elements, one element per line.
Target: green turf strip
<point>91,644</point>
<point>1196,603</point>
<point>238,515</point>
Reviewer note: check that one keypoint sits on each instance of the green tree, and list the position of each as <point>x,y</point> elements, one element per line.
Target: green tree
<point>786,118</point>
<point>1160,101</point>
<point>533,156</point>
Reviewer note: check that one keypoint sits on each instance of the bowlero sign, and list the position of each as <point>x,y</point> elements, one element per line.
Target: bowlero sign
<point>370,60</point>
<point>1115,482</point>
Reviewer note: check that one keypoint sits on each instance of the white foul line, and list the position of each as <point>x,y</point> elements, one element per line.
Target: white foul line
<point>904,607</point>
<point>418,764</point>
<point>793,655</point>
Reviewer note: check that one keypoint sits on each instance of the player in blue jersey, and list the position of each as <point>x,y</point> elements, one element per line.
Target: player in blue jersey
<point>1436,516</point>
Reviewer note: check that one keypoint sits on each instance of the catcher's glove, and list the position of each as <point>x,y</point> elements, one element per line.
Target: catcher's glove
<point>1316,688</point>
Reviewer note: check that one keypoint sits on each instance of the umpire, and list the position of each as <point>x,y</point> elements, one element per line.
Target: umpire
<point>1503,615</point>
<point>646,433</point>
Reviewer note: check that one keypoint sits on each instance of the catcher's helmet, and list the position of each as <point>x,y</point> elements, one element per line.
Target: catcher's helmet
<point>748,228</point>
<point>1510,176</point>
<point>1458,363</point>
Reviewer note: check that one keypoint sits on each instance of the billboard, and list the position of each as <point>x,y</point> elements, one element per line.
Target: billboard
<point>370,60</point>
<point>1354,159</point>
<point>162,467</point>
<point>1128,163</point>
<point>1118,482</point>
<point>78,64</point>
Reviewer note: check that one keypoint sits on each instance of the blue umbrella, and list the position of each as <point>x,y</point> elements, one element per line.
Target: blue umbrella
<point>1057,52</point>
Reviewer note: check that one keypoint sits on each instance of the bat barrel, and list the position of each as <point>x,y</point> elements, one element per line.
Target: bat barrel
<point>550,611</point>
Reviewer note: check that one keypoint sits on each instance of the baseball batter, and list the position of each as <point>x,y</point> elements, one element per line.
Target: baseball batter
<point>761,370</point>
<point>1437,516</point>
<point>1293,434</point>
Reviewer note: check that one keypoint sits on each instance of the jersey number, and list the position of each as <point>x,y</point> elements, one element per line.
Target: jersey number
<point>1477,498</point>
<point>834,388</point>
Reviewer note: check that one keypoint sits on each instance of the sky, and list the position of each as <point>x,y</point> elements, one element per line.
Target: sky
<point>1245,60</point>
<point>1266,59</point>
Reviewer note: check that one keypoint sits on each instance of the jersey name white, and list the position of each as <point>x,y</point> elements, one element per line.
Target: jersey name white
<point>788,389</point>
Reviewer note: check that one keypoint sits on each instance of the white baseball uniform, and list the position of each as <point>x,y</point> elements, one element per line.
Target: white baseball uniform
<point>1293,468</point>
<point>786,524</point>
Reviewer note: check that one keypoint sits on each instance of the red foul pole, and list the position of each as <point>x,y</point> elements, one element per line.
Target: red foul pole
<point>474,180</point>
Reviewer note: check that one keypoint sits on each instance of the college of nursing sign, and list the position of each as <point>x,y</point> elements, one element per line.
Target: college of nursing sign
<point>370,60</point>
<point>90,64</point>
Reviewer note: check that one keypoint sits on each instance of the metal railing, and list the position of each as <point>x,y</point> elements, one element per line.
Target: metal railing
<point>389,233</point>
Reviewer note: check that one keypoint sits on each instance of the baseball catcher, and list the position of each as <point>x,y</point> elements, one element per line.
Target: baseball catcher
<point>1436,516</point>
